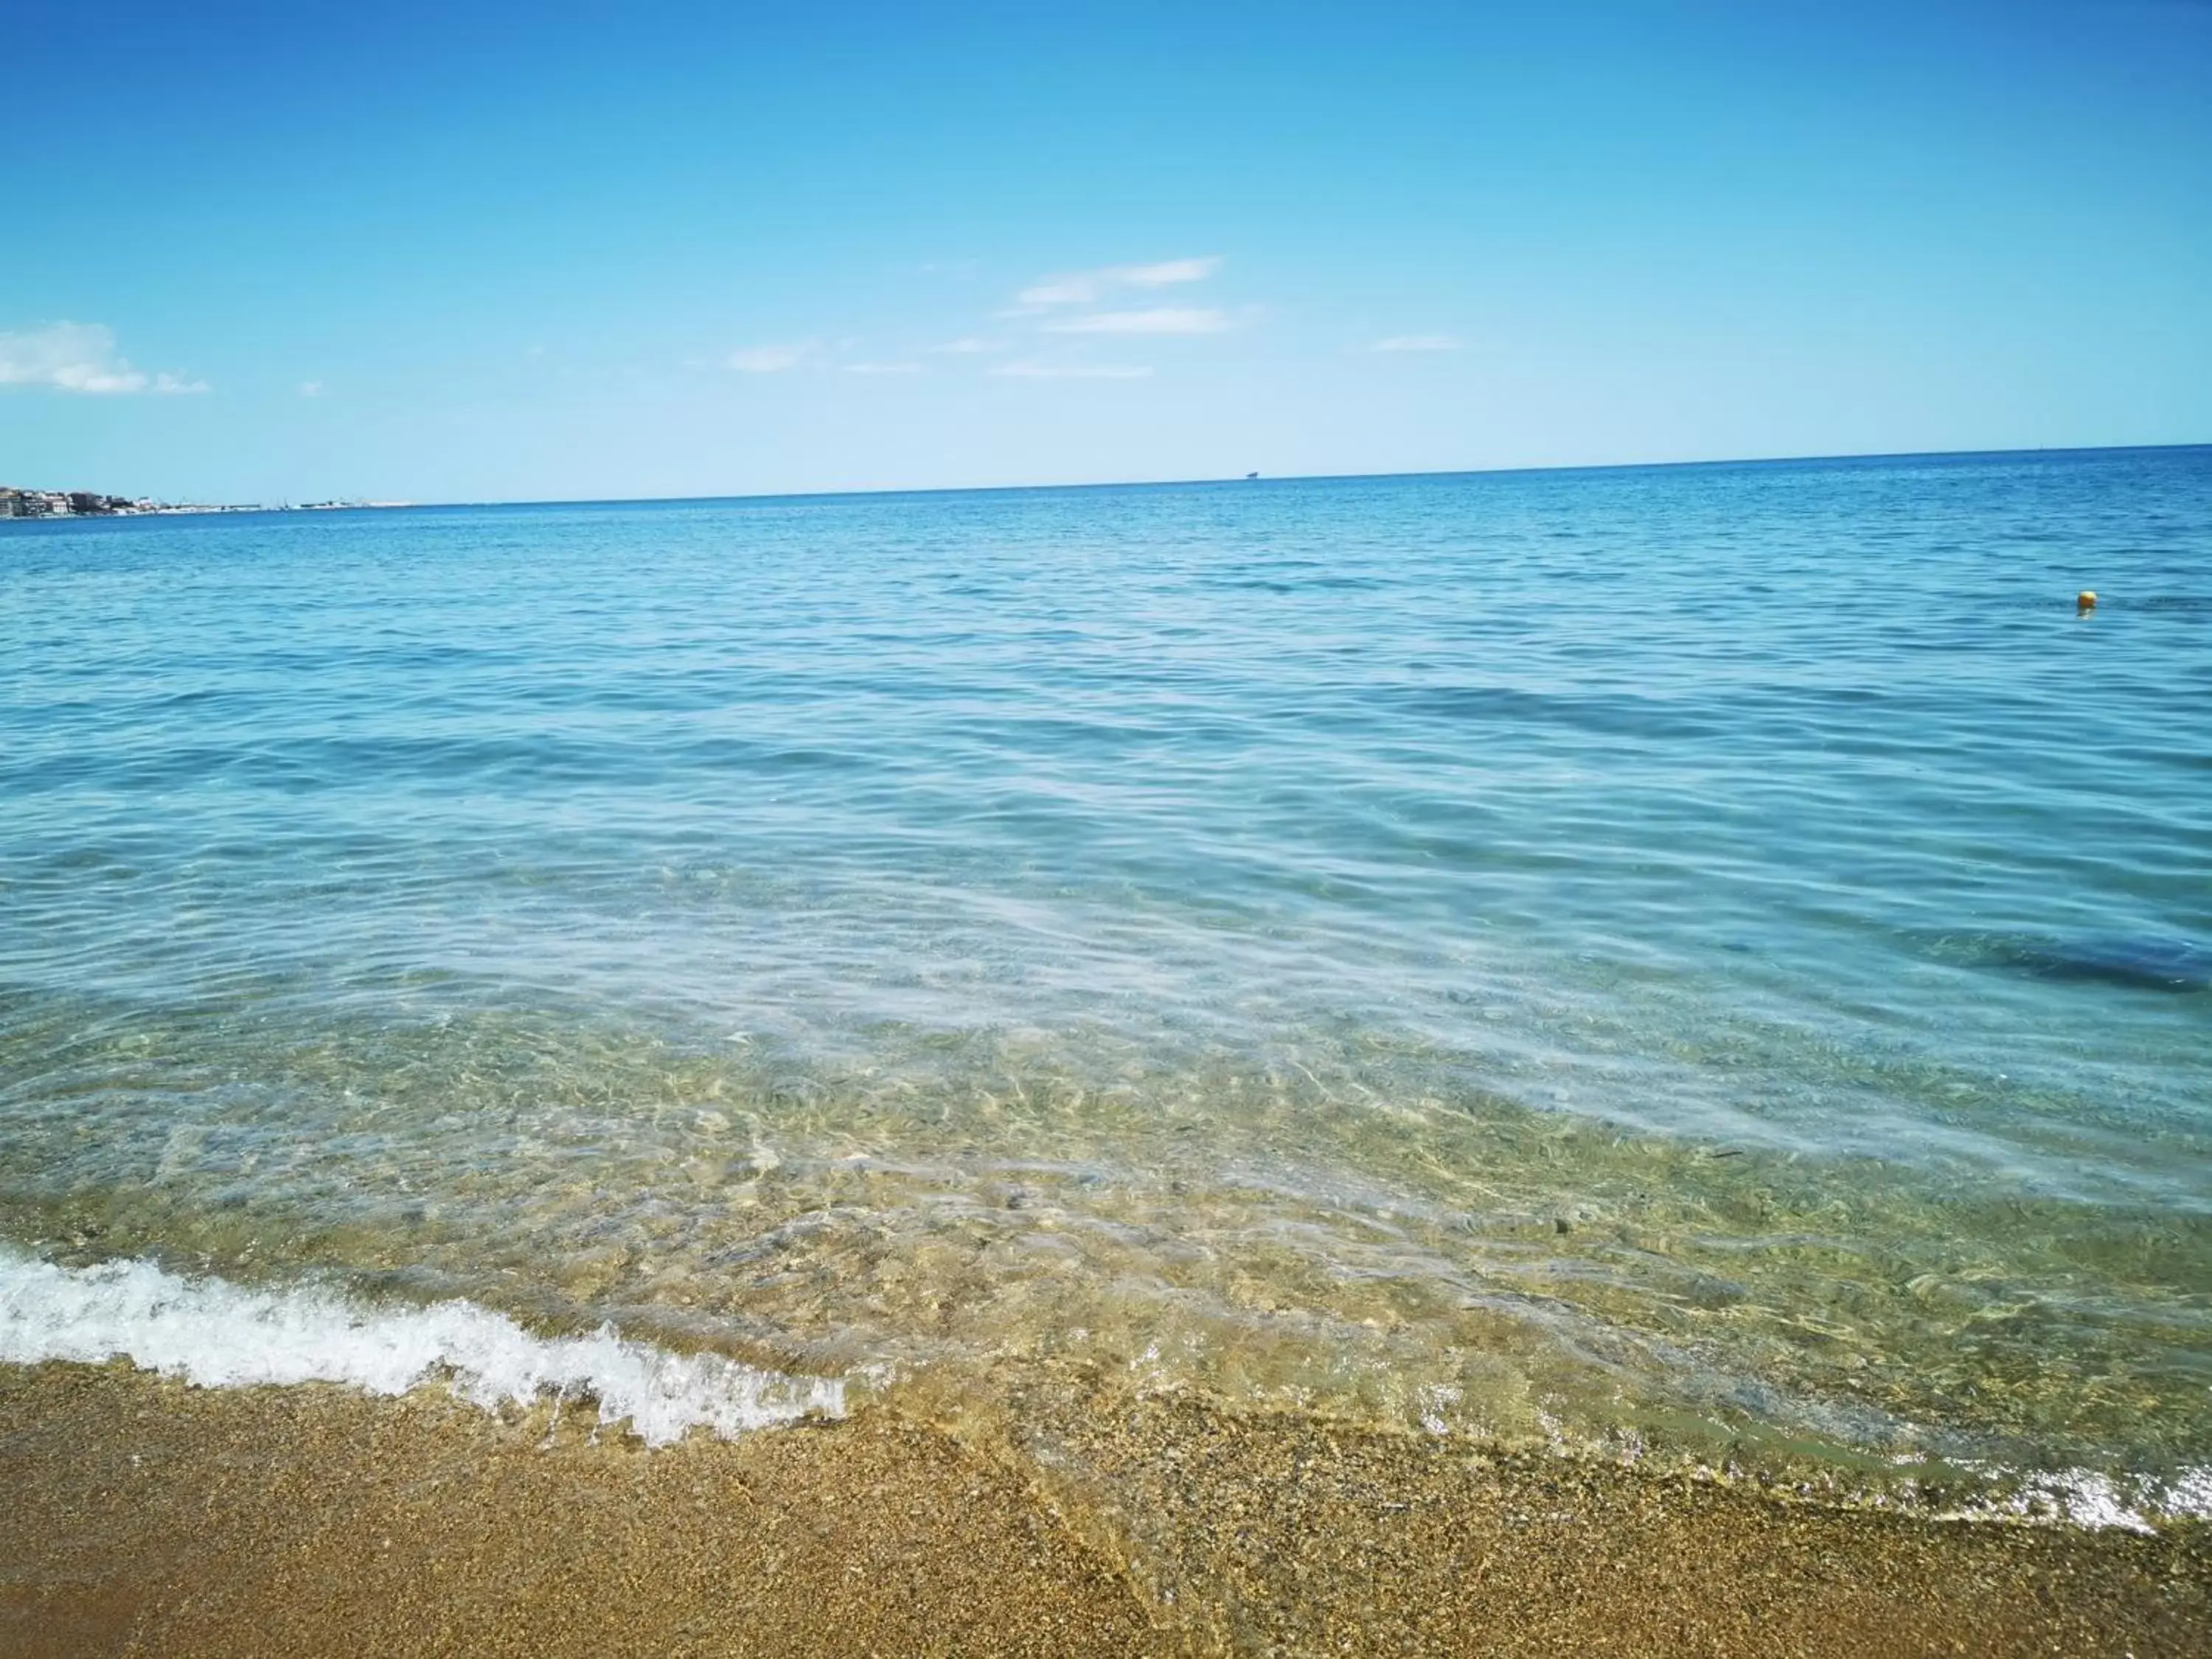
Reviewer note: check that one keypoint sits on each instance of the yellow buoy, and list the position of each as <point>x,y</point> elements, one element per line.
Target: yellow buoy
<point>2085,601</point>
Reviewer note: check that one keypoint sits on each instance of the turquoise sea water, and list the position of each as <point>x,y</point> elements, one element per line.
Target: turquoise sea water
<point>1720,954</point>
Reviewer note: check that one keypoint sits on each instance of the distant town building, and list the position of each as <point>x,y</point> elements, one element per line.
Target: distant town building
<point>18,503</point>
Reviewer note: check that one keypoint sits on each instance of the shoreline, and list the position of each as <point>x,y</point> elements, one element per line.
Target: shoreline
<point>149,1516</point>
<point>185,510</point>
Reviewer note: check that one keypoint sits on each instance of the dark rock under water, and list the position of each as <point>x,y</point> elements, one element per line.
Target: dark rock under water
<point>2162,964</point>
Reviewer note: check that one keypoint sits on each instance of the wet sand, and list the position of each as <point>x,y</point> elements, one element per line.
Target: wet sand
<point>145,1518</point>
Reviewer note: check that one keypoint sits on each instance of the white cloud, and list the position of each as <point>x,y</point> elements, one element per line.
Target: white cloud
<point>79,357</point>
<point>1059,291</point>
<point>1082,287</point>
<point>967,346</point>
<point>310,388</point>
<point>882,368</point>
<point>769,359</point>
<point>1155,320</point>
<point>1418,342</point>
<point>1025,370</point>
<point>1171,270</point>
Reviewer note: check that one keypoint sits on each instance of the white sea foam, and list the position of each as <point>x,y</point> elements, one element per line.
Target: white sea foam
<point>2089,1498</point>
<point>221,1335</point>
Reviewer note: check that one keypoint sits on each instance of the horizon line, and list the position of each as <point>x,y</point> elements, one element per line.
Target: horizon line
<point>865,492</point>
<point>1307,477</point>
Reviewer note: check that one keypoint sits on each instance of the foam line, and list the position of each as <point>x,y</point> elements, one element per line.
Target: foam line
<point>222,1335</point>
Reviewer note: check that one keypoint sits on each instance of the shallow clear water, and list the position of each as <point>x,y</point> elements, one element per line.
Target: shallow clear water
<point>1717,951</point>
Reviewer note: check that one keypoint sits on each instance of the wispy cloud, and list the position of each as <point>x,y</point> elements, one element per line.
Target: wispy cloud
<point>1026,370</point>
<point>1418,343</point>
<point>1082,287</point>
<point>79,357</point>
<point>882,368</point>
<point>310,388</point>
<point>1171,270</point>
<point>1154,319</point>
<point>769,359</point>
<point>968,346</point>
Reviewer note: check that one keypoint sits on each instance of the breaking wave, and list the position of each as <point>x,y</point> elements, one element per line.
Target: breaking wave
<point>216,1334</point>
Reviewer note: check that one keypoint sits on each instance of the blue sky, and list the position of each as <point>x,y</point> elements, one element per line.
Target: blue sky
<point>473,251</point>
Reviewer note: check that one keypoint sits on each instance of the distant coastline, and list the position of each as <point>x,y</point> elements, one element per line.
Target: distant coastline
<point>19,503</point>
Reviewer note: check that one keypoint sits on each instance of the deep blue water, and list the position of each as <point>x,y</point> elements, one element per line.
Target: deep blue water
<point>1697,945</point>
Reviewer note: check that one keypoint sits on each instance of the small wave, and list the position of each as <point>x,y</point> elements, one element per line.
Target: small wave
<point>2089,1498</point>
<point>221,1335</point>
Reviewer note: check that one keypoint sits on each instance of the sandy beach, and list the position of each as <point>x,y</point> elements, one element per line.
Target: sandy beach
<point>148,1517</point>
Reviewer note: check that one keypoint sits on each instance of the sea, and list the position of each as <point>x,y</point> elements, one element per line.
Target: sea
<point>1703,963</point>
